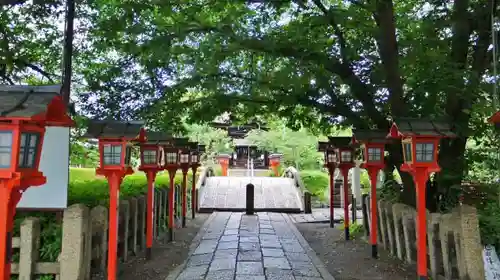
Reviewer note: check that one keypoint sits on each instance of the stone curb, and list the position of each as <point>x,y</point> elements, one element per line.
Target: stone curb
<point>310,252</point>
<point>194,244</point>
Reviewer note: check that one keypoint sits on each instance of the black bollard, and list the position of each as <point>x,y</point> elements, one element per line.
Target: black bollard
<point>307,203</point>
<point>250,207</point>
<point>354,209</point>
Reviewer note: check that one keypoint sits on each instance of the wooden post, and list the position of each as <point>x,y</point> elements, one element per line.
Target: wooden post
<point>250,199</point>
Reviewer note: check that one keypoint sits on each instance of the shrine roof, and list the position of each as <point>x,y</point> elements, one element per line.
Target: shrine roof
<point>158,138</point>
<point>113,129</point>
<point>26,101</point>
<point>238,131</point>
<point>242,143</point>
<point>370,135</point>
<point>424,127</point>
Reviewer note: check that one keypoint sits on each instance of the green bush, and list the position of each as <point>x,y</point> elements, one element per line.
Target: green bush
<point>86,188</point>
<point>316,182</point>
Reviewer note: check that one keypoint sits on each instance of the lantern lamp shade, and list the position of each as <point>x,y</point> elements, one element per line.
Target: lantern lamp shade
<point>28,149</point>
<point>185,157</point>
<point>374,154</point>
<point>424,152</point>
<point>150,156</point>
<point>171,157</point>
<point>5,149</point>
<point>112,154</point>
<point>194,158</point>
<point>346,156</point>
<point>331,156</point>
<point>407,150</point>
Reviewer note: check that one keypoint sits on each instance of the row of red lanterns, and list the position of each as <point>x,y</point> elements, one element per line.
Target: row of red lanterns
<point>419,142</point>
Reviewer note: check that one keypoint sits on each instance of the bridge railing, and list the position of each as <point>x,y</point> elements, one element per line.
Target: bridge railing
<point>305,195</point>
<point>207,172</point>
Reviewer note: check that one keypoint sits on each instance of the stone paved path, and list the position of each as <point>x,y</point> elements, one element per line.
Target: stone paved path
<point>228,193</point>
<point>265,246</point>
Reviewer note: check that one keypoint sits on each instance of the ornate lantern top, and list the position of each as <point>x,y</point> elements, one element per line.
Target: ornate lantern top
<point>34,103</point>
<point>111,129</point>
<point>420,141</point>
<point>345,146</point>
<point>373,146</point>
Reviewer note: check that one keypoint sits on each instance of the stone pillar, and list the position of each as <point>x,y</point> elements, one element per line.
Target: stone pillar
<point>30,244</point>
<point>76,225</point>
<point>471,249</point>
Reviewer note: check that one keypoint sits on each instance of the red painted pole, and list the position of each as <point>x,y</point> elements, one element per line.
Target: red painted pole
<point>114,181</point>
<point>184,196</point>
<point>150,175</point>
<point>10,196</point>
<point>171,209</point>
<point>420,178</point>
<point>373,172</point>
<point>331,172</point>
<point>345,174</point>
<point>194,199</point>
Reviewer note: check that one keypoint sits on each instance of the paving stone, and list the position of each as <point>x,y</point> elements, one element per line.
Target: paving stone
<point>249,268</point>
<point>221,275</point>
<point>272,252</point>
<point>192,273</point>
<point>293,247</point>
<point>249,256</point>
<point>254,239</point>
<point>307,278</point>
<point>230,232</point>
<point>304,269</point>
<point>274,262</point>
<point>227,238</point>
<point>265,226</point>
<point>227,245</point>
<point>211,236</point>
<point>250,277</point>
<point>270,244</point>
<point>279,274</point>
<point>297,257</point>
<point>203,259</point>
<point>205,248</point>
<point>249,246</point>
<point>222,264</point>
<point>266,231</point>
<point>226,253</point>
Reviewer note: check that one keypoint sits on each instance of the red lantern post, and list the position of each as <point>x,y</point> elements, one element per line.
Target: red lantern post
<point>195,164</point>
<point>420,140</point>
<point>331,161</point>
<point>185,164</point>
<point>151,165</point>
<point>373,149</point>
<point>115,150</point>
<point>25,111</point>
<point>274,161</point>
<point>223,160</point>
<point>345,156</point>
<point>171,164</point>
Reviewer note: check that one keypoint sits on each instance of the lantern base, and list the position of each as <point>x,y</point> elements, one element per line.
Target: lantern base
<point>148,253</point>
<point>184,221</point>
<point>374,251</point>
<point>346,232</point>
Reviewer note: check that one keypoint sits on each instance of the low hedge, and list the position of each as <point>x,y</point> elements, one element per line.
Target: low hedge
<point>86,188</point>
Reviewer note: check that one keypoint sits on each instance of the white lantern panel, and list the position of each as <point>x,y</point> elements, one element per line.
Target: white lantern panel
<point>346,156</point>
<point>184,158</point>
<point>171,158</point>
<point>5,148</point>
<point>149,156</point>
<point>331,157</point>
<point>28,149</point>
<point>374,154</point>
<point>112,154</point>
<point>424,152</point>
<point>194,158</point>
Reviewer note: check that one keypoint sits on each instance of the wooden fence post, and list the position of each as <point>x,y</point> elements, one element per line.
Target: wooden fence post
<point>30,244</point>
<point>124,226</point>
<point>76,225</point>
<point>133,225</point>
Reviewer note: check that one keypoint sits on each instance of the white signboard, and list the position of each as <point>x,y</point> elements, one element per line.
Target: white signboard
<point>54,163</point>
<point>491,263</point>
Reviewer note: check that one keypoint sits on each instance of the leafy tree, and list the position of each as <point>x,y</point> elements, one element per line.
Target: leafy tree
<point>215,140</point>
<point>314,62</point>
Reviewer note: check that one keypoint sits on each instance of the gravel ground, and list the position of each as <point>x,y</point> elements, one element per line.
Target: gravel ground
<point>351,260</point>
<point>166,256</point>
